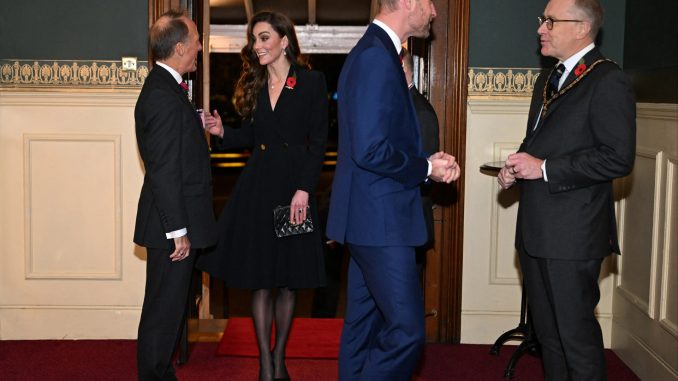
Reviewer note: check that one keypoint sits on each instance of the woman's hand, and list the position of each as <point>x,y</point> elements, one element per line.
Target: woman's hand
<point>299,207</point>
<point>213,124</point>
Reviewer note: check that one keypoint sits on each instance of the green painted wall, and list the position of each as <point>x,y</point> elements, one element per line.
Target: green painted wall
<point>503,33</point>
<point>651,49</point>
<point>73,29</point>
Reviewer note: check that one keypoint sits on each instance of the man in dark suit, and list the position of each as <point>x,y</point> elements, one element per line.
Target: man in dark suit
<point>375,206</point>
<point>174,216</point>
<point>430,141</point>
<point>580,137</point>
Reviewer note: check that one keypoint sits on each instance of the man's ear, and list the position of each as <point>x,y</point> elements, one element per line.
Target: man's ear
<point>179,49</point>
<point>583,30</point>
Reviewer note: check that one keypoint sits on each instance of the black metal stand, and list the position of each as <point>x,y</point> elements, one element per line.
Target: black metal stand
<point>524,333</point>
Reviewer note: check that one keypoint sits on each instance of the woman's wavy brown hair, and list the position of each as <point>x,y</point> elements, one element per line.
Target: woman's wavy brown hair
<point>253,75</point>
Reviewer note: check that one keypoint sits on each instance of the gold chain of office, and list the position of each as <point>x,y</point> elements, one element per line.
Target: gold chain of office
<point>548,101</point>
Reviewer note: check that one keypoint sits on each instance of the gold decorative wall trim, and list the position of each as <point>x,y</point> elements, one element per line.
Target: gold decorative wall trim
<point>503,82</point>
<point>70,74</point>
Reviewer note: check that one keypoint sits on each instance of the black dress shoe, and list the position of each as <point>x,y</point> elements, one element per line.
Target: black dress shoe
<point>282,379</point>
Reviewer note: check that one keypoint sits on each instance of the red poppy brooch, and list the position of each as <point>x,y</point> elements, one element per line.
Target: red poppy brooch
<point>580,68</point>
<point>291,81</point>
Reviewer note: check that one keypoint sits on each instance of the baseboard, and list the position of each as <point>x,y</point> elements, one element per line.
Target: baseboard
<point>640,357</point>
<point>70,322</point>
<point>484,327</point>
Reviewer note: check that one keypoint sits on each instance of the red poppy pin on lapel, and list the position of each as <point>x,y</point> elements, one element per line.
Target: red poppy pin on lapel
<point>580,68</point>
<point>291,82</point>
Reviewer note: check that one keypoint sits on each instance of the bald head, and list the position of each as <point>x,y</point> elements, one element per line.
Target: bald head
<point>166,32</point>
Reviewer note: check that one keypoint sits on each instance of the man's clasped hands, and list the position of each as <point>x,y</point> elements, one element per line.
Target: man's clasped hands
<point>444,167</point>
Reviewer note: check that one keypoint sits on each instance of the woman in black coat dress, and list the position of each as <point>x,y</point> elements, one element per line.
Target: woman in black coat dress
<point>284,110</point>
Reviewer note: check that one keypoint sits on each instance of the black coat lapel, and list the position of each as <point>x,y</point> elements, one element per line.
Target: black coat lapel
<point>573,79</point>
<point>589,58</point>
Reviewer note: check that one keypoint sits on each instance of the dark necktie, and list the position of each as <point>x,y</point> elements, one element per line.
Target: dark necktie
<point>555,79</point>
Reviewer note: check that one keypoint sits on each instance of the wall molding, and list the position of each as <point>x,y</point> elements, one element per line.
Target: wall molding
<point>18,322</point>
<point>494,106</point>
<point>502,82</point>
<point>484,327</point>
<point>639,355</point>
<point>647,307</point>
<point>92,307</point>
<point>657,111</point>
<point>107,74</point>
<point>501,151</point>
<point>72,74</point>
<point>313,39</point>
<point>69,98</point>
<point>36,265</point>
<point>670,207</point>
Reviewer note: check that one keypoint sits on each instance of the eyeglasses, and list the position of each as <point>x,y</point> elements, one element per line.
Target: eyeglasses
<point>549,21</point>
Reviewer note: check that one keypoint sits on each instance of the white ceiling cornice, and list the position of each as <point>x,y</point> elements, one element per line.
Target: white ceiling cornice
<point>313,39</point>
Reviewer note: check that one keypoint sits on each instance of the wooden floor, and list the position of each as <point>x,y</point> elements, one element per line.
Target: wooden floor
<point>206,330</point>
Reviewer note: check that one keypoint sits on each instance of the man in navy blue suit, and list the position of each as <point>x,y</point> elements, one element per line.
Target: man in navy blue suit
<point>375,207</point>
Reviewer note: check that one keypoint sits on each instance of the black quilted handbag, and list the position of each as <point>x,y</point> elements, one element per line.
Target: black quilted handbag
<point>284,228</point>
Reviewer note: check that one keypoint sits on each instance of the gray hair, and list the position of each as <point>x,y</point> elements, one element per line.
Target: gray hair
<point>169,30</point>
<point>593,11</point>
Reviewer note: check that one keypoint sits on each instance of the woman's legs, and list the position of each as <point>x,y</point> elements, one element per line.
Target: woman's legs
<point>262,312</point>
<point>284,313</point>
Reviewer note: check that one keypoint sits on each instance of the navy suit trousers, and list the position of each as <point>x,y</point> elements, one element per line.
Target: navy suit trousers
<point>383,332</point>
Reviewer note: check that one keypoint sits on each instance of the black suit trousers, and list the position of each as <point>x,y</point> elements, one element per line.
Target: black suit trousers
<point>562,296</point>
<point>163,313</point>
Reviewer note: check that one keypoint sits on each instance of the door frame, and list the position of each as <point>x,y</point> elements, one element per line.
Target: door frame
<point>447,90</point>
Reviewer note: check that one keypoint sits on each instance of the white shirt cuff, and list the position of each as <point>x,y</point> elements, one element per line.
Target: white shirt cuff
<point>430,168</point>
<point>177,233</point>
<point>543,171</point>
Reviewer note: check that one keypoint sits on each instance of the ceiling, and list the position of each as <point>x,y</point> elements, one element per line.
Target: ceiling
<point>302,12</point>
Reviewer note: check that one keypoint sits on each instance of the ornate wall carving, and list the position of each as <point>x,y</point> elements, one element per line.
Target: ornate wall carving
<point>70,74</point>
<point>512,82</point>
<point>83,74</point>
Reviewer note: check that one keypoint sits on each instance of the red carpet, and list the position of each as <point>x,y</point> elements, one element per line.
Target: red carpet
<point>114,360</point>
<point>309,339</point>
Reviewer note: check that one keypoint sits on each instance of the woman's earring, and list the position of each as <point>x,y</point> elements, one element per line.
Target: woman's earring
<point>284,52</point>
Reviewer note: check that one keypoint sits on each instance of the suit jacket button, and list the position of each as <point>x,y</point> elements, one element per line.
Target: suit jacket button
<point>285,145</point>
<point>263,147</point>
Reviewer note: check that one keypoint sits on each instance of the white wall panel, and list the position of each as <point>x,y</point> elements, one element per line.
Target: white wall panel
<point>71,177</point>
<point>644,325</point>
<point>668,315</point>
<point>72,202</point>
<point>638,236</point>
